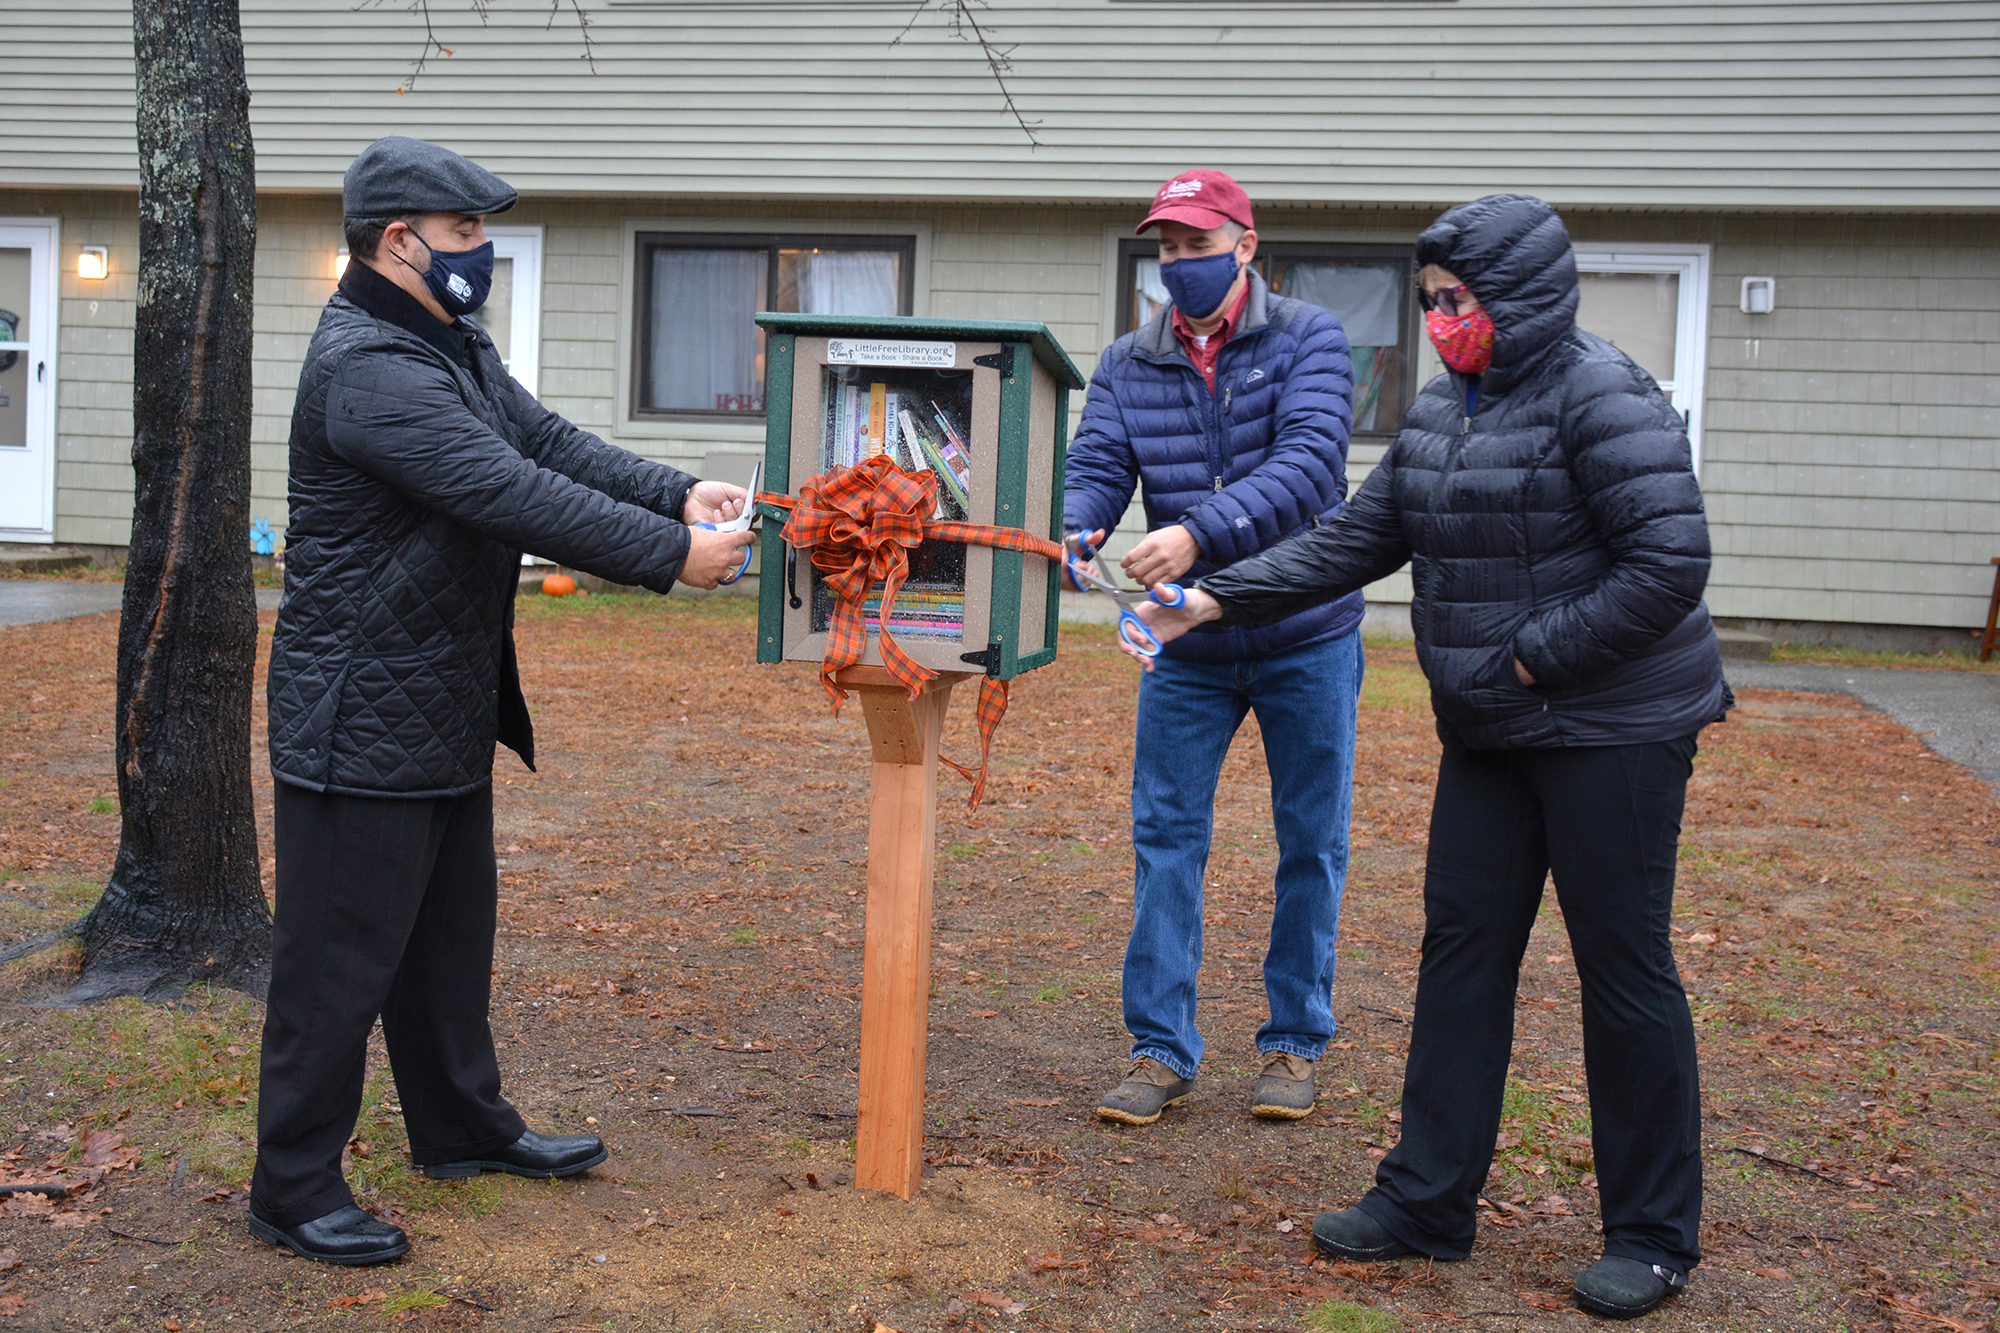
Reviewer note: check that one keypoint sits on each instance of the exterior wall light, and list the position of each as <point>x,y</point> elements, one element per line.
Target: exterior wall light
<point>1760,296</point>
<point>93,262</point>
<point>340,264</point>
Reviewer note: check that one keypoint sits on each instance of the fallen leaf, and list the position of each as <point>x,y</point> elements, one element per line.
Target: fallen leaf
<point>1775,1274</point>
<point>108,1148</point>
<point>1542,1300</point>
<point>368,1297</point>
<point>986,1013</point>
<point>171,1325</point>
<point>12,1304</point>
<point>991,1299</point>
<point>72,1221</point>
<point>1286,1225</point>
<point>9,1260</point>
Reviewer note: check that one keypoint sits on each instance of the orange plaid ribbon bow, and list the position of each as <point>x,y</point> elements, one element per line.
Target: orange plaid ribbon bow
<point>862,523</point>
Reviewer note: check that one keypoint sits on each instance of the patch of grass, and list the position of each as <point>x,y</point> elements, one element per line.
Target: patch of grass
<point>1049,994</point>
<point>743,935</point>
<point>104,805</point>
<point>963,849</point>
<point>417,1298</point>
<point>1831,653</point>
<point>1542,1139</point>
<point>1347,1317</point>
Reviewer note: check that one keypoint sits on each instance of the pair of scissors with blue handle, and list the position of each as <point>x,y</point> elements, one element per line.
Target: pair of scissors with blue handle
<point>741,523</point>
<point>1132,631</point>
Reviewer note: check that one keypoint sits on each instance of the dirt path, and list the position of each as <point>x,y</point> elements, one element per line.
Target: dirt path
<point>679,970</point>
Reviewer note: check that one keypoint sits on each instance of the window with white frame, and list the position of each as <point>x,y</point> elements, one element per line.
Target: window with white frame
<point>1651,302</point>
<point>512,314</point>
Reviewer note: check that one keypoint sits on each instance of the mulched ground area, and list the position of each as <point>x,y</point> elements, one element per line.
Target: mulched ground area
<point>679,969</point>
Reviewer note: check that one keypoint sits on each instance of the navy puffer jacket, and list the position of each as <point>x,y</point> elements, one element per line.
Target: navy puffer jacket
<point>1555,520</point>
<point>1260,458</point>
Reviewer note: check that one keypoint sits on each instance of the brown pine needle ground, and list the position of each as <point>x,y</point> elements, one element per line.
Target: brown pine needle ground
<point>679,970</point>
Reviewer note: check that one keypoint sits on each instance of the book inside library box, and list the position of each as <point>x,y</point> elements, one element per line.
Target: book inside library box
<point>920,418</point>
<point>981,406</point>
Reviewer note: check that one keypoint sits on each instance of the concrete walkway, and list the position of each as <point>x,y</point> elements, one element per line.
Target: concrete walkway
<point>1956,712</point>
<point>31,601</point>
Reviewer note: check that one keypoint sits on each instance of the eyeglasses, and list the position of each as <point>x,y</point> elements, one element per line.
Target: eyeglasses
<point>1447,299</point>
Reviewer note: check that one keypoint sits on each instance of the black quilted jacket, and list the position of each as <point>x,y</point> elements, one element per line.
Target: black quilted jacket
<point>1557,520</point>
<point>419,473</point>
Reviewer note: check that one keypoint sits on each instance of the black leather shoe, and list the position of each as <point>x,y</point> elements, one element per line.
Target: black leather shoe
<point>1619,1288</point>
<point>346,1236</point>
<point>530,1155</point>
<point>1353,1234</point>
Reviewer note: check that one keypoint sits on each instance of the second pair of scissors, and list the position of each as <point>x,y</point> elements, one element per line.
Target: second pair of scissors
<point>1131,630</point>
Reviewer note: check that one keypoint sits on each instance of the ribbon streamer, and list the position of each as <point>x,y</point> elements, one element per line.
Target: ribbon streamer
<point>861,523</point>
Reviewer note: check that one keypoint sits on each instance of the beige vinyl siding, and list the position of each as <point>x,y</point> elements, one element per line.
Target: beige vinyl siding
<point>1789,104</point>
<point>1850,460</point>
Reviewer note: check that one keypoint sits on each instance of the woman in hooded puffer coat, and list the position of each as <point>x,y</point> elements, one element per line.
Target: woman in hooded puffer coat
<point>1543,492</point>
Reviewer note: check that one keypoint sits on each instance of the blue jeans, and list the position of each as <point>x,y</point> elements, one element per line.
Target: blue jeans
<point>1188,713</point>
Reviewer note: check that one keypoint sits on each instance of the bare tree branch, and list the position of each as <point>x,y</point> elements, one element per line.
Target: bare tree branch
<point>582,28</point>
<point>958,18</point>
<point>432,46</point>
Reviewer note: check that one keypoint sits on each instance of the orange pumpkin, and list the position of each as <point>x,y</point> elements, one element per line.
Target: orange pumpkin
<point>558,585</point>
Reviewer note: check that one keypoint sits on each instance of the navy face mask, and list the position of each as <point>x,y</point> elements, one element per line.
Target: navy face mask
<point>459,279</point>
<point>1199,286</point>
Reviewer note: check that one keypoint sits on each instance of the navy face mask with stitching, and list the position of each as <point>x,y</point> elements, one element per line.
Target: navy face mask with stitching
<point>1199,286</point>
<point>459,279</point>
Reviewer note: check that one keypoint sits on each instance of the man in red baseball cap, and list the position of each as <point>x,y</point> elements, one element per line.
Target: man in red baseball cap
<point>1229,412</point>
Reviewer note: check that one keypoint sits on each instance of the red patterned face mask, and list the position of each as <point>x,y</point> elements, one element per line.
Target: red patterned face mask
<point>1464,341</point>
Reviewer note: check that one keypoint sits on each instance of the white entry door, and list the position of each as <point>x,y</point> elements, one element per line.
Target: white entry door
<point>513,312</point>
<point>1652,303</point>
<point>27,380</point>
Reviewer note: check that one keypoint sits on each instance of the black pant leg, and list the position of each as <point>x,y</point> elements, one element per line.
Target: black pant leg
<point>350,877</point>
<point>1483,882</point>
<point>1614,822</point>
<point>435,1018</point>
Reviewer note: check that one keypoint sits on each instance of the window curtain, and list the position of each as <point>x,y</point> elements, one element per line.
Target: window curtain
<point>864,282</point>
<point>1368,299</point>
<point>1149,294</point>
<point>704,331</point>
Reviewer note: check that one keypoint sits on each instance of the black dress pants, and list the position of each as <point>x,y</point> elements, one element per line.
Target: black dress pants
<point>1606,821</point>
<point>385,907</point>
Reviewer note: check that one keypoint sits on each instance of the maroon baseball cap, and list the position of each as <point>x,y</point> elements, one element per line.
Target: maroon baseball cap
<point>1204,199</point>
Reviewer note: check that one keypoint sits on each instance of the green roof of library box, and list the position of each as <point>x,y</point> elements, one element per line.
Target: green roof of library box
<point>1046,349</point>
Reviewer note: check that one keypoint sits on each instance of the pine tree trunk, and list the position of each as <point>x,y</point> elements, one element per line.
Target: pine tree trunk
<point>184,903</point>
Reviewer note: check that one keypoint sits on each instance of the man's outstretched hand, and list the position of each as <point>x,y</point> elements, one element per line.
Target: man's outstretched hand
<point>712,556</point>
<point>713,502</point>
<point>1163,556</point>
<point>1170,622</point>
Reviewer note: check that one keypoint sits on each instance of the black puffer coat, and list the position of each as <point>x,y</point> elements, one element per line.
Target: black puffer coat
<point>419,473</point>
<point>1558,521</point>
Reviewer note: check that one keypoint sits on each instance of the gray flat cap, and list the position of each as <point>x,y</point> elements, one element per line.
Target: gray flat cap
<point>399,175</point>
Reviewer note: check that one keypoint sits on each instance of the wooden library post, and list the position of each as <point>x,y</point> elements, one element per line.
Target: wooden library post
<point>896,956</point>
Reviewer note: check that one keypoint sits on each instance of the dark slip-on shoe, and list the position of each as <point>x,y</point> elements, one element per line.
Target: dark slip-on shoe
<point>1620,1288</point>
<point>1353,1234</point>
<point>531,1155</point>
<point>345,1236</point>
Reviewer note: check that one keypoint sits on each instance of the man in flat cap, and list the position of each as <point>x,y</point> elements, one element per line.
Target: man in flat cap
<point>420,471</point>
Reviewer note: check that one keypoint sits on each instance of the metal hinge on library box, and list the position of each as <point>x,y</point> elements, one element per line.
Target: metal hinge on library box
<point>985,406</point>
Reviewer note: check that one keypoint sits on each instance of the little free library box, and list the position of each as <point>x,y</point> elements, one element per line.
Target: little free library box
<point>985,406</point>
